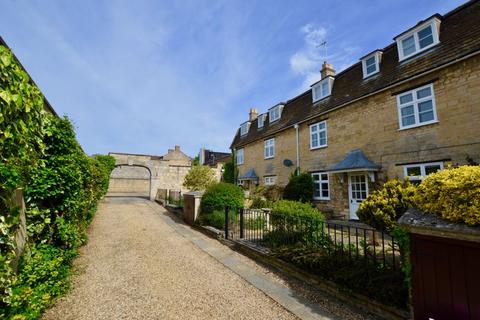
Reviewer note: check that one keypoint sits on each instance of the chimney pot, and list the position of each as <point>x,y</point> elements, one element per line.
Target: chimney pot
<point>327,70</point>
<point>177,148</point>
<point>253,114</point>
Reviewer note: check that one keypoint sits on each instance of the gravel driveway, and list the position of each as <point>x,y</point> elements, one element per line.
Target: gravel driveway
<point>137,267</point>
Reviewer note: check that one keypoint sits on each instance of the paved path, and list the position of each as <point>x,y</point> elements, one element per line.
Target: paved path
<point>140,263</point>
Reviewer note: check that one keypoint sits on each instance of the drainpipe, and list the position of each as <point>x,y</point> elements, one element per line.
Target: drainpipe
<point>296,126</point>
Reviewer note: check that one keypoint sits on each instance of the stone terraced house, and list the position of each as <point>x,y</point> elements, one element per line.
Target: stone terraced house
<point>408,109</point>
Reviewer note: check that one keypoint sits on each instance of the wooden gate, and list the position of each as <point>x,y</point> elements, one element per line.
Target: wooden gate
<point>445,277</point>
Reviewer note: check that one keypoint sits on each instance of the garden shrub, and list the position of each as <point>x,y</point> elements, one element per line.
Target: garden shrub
<point>199,178</point>
<point>230,172</point>
<point>294,222</point>
<point>383,207</point>
<point>273,193</point>
<point>299,188</point>
<point>297,209</point>
<point>222,194</point>
<point>216,218</point>
<point>453,194</point>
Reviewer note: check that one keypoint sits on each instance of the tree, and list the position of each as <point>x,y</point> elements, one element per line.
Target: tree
<point>199,178</point>
<point>229,172</point>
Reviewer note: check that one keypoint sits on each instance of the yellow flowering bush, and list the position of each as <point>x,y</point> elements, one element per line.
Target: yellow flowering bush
<point>453,193</point>
<point>384,206</point>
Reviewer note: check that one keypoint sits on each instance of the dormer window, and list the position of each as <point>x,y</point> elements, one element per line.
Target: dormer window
<point>371,64</point>
<point>420,38</point>
<point>275,113</point>
<point>261,120</point>
<point>244,128</point>
<point>322,89</point>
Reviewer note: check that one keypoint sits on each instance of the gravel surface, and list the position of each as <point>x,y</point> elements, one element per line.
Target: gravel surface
<point>137,267</point>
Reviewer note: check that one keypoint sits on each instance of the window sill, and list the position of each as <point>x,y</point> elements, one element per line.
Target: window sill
<point>320,147</point>
<point>268,158</point>
<point>321,199</point>
<point>419,125</point>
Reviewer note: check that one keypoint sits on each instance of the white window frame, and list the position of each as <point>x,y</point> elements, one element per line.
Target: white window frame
<point>377,56</point>
<point>320,181</point>
<point>275,113</point>
<point>329,82</point>
<point>415,103</point>
<point>261,120</point>
<point>269,145</point>
<point>244,127</point>
<point>422,166</point>
<point>269,180</point>
<point>434,23</point>
<point>317,132</point>
<point>240,155</point>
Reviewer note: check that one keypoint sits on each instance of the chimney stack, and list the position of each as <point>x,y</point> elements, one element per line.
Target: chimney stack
<point>253,114</point>
<point>177,148</point>
<point>327,70</point>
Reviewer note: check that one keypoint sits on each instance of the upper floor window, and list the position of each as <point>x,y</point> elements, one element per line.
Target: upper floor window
<point>321,189</point>
<point>322,89</point>
<point>318,135</point>
<point>371,64</point>
<point>261,120</point>
<point>239,156</point>
<point>269,181</point>
<point>416,107</point>
<point>417,172</point>
<point>418,39</point>
<point>269,148</point>
<point>275,113</point>
<point>244,128</point>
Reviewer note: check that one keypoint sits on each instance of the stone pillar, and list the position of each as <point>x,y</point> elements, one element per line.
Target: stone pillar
<point>191,206</point>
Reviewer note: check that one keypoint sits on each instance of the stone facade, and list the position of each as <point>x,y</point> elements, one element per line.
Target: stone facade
<point>372,125</point>
<point>136,173</point>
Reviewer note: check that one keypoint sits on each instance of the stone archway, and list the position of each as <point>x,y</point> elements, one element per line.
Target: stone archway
<point>131,180</point>
<point>164,172</point>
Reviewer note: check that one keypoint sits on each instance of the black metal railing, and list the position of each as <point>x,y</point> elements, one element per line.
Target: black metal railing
<point>273,230</point>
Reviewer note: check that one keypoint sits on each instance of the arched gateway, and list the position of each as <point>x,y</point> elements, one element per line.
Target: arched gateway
<point>142,175</point>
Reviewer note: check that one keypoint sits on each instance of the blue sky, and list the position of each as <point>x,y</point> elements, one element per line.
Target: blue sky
<point>142,76</point>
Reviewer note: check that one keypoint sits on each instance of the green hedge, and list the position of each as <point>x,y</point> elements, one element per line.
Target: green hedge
<point>62,186</point>
<point>222,194</point>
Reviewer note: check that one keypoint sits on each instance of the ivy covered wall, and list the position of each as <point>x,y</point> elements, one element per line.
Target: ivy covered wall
<point>39,153</point>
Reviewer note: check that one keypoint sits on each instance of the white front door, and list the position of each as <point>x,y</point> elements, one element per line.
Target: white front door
<point>357,191</point>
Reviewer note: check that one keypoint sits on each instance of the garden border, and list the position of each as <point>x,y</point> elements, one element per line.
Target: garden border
<point>357,300</point>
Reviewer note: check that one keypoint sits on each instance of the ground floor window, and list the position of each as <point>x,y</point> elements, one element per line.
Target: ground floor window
<point>270,180</point>
<point>321,189</point>
<point>417,172</point>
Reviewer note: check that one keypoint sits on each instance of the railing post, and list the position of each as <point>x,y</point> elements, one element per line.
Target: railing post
<point>242,221</point>
<point>226,222</point>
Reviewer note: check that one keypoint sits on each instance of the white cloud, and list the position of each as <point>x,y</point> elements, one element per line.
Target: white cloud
<point>307,61</point>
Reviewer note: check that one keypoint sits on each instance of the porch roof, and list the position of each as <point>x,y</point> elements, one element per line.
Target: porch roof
<point>355,160</point>
<point>249,175</point>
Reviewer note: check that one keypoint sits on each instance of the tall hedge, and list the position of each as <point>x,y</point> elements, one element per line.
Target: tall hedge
<point>39,153</point>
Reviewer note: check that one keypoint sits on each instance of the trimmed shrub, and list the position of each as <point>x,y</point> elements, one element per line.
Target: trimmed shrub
<point>199,178</point>
<point>222,194</point>
<point>216,219</point>
<point>384,206</point>
<point>453,194</point>
<point>299,188</point>
<point>297,209</point>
